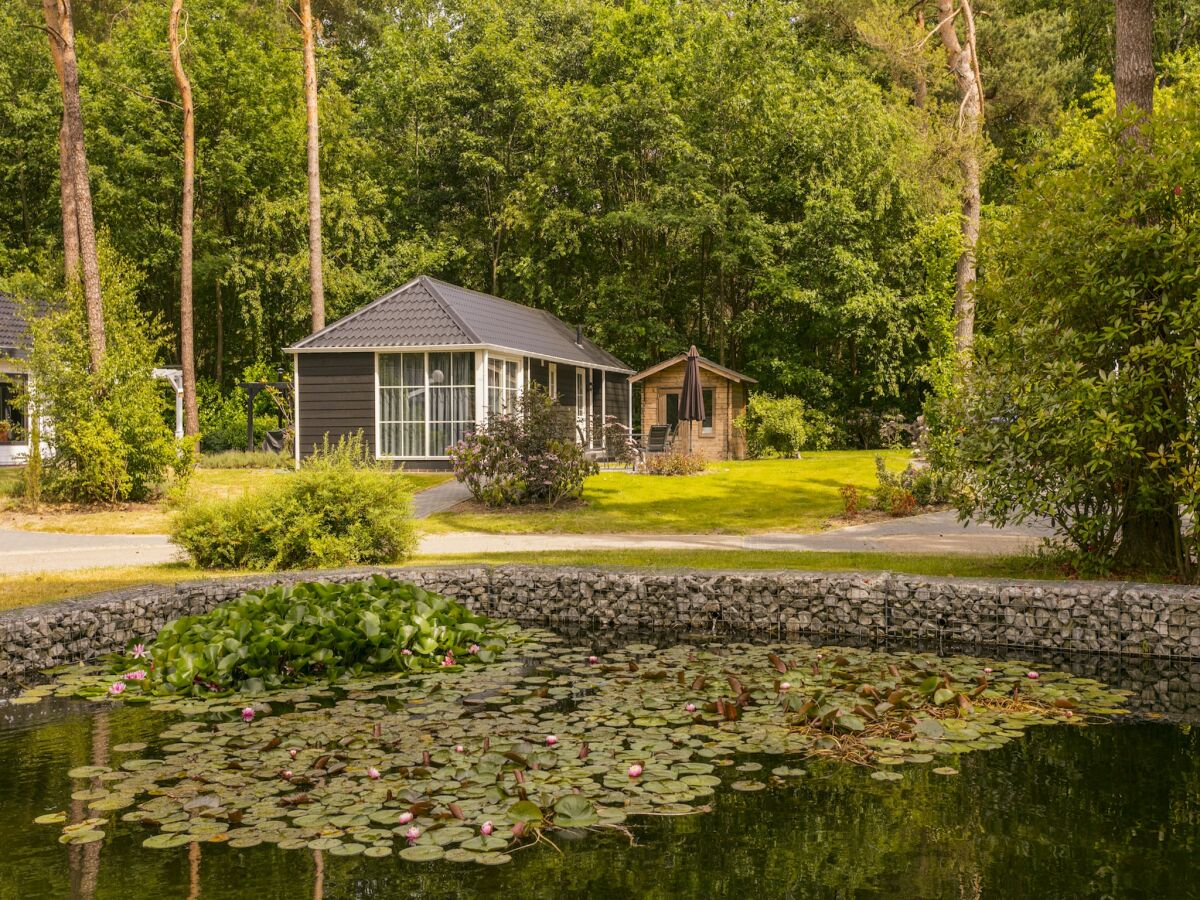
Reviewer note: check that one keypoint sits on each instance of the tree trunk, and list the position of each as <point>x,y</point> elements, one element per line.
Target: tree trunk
<point>187,333</point>
<point>219,367</point>
<point>964,63</point>
<point>314,167</point>
<point>66,177</point>
<point>1134,75</point>
<point>62,41</point>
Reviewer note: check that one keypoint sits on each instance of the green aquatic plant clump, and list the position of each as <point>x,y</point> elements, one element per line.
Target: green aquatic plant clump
<point>468,764</point>
<point>307,632</point>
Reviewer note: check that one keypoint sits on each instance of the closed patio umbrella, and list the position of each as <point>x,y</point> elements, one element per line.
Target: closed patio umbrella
<point>691,402</point>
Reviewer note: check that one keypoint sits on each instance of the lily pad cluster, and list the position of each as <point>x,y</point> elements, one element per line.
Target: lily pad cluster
<point>308,632</point>
<point>472,764</point>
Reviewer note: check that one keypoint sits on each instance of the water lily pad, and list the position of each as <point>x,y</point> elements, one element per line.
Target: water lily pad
<point>87,771</point>
<point>748,785</point>
<point>886,776</point>
<point>945,770</point>
<point>166,841</point>
<point>51,819</point>
<point>422,853</point>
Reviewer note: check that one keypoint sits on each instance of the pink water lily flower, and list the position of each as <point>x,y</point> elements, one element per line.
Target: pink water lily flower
<point>459,748</point>
<point>372,773</point>
<point>412,834</point>
<point>635,771</point>
<point>785,685</point>
<point>691,707</point>
<point>1034,675</point>
<point>406,652</point>
<point>139,651</point>
<point>116,688</point>
<point>405,818</point>
<point>286,774</point>
<point>486,829</point>
<point>987,670</point>
<point>248,714</point>
<point>292,753</point>
<point>448,659</point>
<point>592,660</point>
<point>474,648</point>
<point>135,675</point>
<point>551,740</point>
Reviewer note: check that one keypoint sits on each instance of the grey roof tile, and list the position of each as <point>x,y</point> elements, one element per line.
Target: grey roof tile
<point>14,336</point>
<point>428,312</point>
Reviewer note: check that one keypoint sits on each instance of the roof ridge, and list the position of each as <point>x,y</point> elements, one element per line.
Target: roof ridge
<point>431,284</point>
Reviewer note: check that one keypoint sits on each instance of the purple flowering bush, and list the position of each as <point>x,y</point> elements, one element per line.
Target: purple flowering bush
<point>527,455</point>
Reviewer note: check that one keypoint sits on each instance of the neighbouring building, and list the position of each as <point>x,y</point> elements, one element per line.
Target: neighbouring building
<point>14,338</point>
<point>419,368</point>
<point>725,397</point>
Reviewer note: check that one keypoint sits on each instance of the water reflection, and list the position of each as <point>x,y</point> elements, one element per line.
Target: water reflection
<point>1111,811</point>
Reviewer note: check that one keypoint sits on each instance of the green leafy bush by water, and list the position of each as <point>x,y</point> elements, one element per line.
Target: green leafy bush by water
<point>341,508</point>
<point>314,631</point>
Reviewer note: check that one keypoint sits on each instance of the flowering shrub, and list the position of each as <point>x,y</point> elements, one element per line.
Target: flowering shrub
<point>622,447</point>
<point>901,494</point>
<point>524,456</point>
<point>677,462</point>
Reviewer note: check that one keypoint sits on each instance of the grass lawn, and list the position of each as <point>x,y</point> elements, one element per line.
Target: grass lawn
<point>148,518</point>
<point>797,495</point>
<point>32,588</point>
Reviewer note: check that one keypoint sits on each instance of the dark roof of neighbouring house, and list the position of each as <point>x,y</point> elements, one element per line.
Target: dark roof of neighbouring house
<point>14,336</point>
<point>431,313</point>
<point>705,363</point>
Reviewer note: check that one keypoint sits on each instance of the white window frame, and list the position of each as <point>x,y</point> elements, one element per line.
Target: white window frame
<point>520,365</point>
<point>478,368</point>
<point>552,381</point>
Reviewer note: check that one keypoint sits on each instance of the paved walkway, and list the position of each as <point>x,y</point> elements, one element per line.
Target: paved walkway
<point>39,551</point>
<point>439,498</point>
<point>931,533</point>
<point>44,551</point>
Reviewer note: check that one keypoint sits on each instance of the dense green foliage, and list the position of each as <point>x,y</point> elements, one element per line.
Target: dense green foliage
<point>338,509</point>
<point>315,631</point>
<point>753,178</point>
<point>782,426</point>
<point>527,455</point>
<point>109,441</point>
<point>1081,406</point>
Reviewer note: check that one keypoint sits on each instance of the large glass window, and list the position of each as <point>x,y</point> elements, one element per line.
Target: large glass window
<point>426,402</point>
<point>503,384</point>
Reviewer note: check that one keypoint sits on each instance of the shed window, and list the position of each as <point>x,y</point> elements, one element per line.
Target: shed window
<point>426,402</point>
<point>706,427</point>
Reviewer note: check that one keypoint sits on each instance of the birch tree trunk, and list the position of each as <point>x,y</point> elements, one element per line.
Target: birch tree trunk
<point>964,64</point>
<point>187,354</point>
<point>62,46</point>
<point>314,167</point>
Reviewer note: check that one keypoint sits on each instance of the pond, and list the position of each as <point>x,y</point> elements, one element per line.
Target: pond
<point>1112,809</point>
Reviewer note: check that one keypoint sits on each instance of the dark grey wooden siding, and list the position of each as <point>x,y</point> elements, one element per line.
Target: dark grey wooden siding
<point>337,397</point>
<point>538,371</point>
<point>566,384</point>
<point>616,397</point>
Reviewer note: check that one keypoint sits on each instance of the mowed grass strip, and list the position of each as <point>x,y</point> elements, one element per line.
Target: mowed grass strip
<point>754,496</point>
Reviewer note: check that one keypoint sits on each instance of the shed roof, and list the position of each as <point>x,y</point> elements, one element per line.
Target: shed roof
<point>14,335</point>
<point>431,313</point>
<point>705,363</point>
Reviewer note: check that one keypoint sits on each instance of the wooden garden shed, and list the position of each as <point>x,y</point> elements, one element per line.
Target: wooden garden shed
<point>725,395</point>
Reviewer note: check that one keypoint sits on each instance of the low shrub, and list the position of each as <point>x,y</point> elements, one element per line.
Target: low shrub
<point>782,427</point>
<point>524,456</point>
<point>677,462</point>
<point>619,441</point>
<point>850,500</point>
<point>317,632</point>
<point>916,486</point>
<point>341,508</point>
